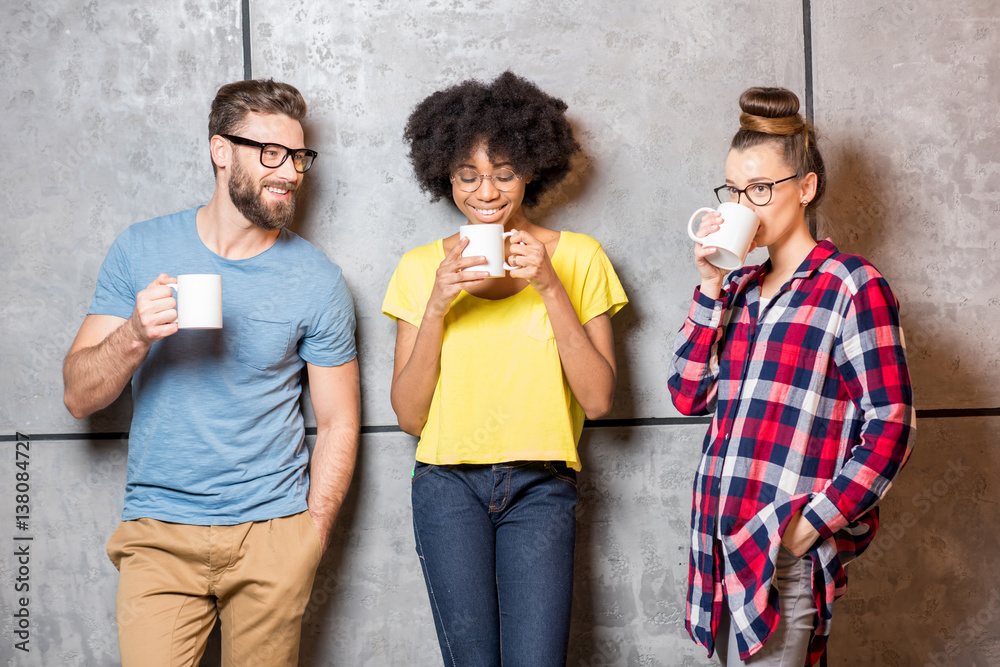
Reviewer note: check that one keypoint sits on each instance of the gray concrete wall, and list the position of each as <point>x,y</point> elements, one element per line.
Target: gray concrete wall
<point>105,107</point>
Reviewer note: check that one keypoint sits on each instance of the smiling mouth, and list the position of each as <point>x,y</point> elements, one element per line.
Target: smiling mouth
<point>489,212</point>
<point>276,190</point>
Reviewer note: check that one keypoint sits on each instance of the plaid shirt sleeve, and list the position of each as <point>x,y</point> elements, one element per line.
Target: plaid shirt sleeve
<point>694,375</point>
<point>870,357</point>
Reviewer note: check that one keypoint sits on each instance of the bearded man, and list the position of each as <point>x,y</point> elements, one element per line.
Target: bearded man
<point>224,517</point>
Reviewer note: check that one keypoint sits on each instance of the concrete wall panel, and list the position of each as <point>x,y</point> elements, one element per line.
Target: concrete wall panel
<point>906,95</point>
<point>927,592</point>
<point>640,81</point>
<point>75,490</point>
<point>370,605</point>
<point>922,593</point>
<point>106,107</point>
<point>105,110</point>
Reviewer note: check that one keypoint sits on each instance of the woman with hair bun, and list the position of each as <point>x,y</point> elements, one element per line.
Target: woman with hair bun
<point>496,374</point>
<point>800,361</point>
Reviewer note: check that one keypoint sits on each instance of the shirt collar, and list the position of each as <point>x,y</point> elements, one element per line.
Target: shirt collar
<point>815,259</point>
<point>819,254</point>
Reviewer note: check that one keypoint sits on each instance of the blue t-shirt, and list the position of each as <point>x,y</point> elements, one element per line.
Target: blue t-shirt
<point>217,434</point>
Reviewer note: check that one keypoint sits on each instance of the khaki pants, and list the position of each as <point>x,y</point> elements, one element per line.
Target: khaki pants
<point>788,645</point>
<point>176,579</point>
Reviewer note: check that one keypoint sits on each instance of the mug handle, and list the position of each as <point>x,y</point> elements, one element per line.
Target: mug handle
<point>506,266</point>
<point>700,211</point>
<point>176,289</point>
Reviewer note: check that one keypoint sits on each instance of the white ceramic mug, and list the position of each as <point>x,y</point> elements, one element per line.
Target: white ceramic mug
<point>199,301</point>
<point>486,240</point>
<point>733,238</point>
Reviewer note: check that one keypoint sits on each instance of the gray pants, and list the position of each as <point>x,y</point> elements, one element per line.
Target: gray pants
<point>788,646</point>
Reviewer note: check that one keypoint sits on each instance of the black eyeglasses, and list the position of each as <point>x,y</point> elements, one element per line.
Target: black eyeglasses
<point>759,194</point>
<point>273,156</point>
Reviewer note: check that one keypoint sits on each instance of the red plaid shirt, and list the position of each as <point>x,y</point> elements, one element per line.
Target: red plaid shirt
<point>812,410</point>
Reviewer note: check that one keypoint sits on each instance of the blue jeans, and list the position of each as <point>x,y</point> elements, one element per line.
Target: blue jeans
<point>496,546</point>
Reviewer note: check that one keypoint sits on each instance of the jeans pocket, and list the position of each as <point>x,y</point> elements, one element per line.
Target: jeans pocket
<point>113,548</point>
<point>420,469</point>
<point>561,471</point>
<point>313,531</point>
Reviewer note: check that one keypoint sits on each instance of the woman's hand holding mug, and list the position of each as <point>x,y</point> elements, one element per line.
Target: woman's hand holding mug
<point>530,261</point>
<point>724,238</point>
<point>453,275</point>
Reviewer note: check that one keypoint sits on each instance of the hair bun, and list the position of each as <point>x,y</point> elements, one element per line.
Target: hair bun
<point>771,111</point>
<point>771,117</point>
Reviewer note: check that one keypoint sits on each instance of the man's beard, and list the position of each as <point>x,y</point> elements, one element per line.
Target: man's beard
<point>249,200</point>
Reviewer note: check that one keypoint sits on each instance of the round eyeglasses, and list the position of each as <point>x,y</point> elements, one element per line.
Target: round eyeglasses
<point>468,179</point>
<point>273,156</point>
<point>759,194</point>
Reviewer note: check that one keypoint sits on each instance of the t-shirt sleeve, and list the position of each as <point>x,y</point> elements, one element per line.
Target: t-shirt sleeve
<point>115,293</point>
<point>331,342</point>
<point>400,302</point>
<point>602,291</point>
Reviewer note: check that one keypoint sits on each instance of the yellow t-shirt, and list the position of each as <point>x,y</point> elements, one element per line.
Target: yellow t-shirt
<point>501,395</point>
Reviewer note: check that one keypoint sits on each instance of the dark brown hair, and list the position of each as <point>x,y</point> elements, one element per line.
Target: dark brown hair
<point>771,115</point>
<point>235,100</point>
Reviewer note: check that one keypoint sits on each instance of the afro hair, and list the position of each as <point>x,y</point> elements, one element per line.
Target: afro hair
<point>513,118</point>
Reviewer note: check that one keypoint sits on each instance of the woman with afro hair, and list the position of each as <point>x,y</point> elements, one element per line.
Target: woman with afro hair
<point>497,374</point>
